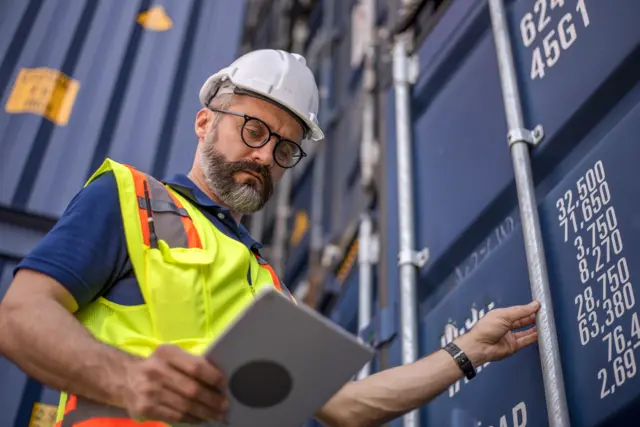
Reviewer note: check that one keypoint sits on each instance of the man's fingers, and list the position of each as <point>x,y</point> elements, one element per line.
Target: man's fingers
<point>520,312</point>
<point>528,337</point>
<point>190,411</point>
<point>527,332</point>
<point>190,388</point>
<point>521,323</point>
<point>194,366</point>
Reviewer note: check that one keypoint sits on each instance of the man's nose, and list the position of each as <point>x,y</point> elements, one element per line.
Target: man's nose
<point>264,154</point>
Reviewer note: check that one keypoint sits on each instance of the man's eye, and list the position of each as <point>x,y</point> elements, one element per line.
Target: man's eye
<point>254,132</point>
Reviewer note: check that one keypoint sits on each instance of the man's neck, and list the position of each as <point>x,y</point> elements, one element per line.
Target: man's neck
<point>198,179</point>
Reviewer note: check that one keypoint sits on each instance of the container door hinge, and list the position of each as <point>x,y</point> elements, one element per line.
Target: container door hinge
<point>383,328</point>
<point>531,137</point>
<point>419,259</point>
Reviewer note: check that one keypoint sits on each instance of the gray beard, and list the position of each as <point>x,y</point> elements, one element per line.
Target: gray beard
<point>240,198</point>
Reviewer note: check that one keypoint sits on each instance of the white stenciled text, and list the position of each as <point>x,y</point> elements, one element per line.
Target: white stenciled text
<point>548,39</point>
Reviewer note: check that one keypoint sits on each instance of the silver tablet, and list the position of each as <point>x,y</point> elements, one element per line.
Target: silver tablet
<point>283,362</point>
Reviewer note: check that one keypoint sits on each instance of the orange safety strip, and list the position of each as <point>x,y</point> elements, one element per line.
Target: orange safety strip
<point>100,420</point>
<point>139,179</point>
<point>118,422</point>
<point>274,277</point>
<point>72,401</point>
<point>190,229</point>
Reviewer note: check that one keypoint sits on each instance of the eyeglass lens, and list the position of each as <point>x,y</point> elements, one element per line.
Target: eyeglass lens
<point>255,133</point>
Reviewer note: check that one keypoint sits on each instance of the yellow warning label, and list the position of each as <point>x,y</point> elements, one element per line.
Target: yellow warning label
<point>43,415</point>
<point>43,91</point>
<point>155,19</point>
<point>300,227</point>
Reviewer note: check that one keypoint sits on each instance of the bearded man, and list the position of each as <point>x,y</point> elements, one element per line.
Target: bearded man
<point>118,302</point>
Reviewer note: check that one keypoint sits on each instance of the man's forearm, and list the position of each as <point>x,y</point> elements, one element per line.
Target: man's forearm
<point>389,394</point>
<point>49,344</point>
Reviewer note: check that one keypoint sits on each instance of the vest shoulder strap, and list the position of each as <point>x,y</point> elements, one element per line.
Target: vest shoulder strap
<point>161,215</point>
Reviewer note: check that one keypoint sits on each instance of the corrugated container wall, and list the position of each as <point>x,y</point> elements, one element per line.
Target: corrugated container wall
<point>577,65</point>
<point>81,80</point>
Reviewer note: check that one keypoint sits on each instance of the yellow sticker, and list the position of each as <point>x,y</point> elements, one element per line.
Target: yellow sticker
<point>300,227</point>
<point>43,415</point>
<point>45,92</point>
<point>155,19</point>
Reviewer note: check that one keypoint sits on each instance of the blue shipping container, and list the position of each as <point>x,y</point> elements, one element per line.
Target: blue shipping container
<point>81,80</point>
<point>577,64</point>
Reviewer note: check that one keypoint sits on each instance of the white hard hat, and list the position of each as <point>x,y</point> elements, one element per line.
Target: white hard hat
<point>277,76</point>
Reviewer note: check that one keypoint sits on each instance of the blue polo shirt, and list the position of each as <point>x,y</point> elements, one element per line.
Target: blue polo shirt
<point>86,250</point>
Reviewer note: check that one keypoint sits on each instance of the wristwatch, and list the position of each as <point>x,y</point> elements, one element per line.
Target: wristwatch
<point>461,359</point>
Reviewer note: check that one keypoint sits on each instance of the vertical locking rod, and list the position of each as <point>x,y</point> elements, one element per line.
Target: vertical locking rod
<point>408,306</point>
<point>558,413</point>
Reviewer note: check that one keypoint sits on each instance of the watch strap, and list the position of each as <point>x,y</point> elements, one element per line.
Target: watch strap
<point>461,359</point>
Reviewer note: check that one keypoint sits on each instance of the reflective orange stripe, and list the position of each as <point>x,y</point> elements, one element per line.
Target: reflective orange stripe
<point>118,422</point>
<point>139,179</point>
<point>84,413</point>
<point>192,234</point>
<point>72,401</point>
<point>274,276</point>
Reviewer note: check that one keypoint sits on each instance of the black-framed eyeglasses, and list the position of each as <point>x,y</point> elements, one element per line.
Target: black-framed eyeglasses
<point>256,133</point>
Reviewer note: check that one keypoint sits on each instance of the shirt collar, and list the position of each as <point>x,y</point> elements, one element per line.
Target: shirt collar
<point>186,187</point>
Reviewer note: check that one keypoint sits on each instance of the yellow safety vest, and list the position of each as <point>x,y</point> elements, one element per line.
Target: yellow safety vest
<point>194,280</point>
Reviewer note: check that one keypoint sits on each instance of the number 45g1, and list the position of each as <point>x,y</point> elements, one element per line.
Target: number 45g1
<point>556,40</point>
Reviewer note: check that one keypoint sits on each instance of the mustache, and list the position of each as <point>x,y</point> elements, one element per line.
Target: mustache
<point>245,165</point>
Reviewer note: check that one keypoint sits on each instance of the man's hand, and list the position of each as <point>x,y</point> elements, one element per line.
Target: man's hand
<point>391,393</point>
<point>493,339</point>
<point>175,386</point>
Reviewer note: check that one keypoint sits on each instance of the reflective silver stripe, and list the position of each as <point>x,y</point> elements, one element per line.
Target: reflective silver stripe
<point>87,409</point>
<point>169,226</point>
<point>161,206</point>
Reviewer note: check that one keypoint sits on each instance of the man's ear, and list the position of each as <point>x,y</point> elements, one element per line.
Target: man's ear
<point>203,118</point>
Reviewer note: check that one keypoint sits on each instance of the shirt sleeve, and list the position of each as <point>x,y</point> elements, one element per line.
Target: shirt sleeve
<point>86,250</point>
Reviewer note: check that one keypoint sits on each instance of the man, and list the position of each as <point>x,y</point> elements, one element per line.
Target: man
<point>117,303</point>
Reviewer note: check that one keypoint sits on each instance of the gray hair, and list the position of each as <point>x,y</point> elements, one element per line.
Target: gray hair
<point>222,100</point>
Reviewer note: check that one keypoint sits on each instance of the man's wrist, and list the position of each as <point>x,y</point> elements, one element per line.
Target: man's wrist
<point>122,367</point>
<point>475,351</point>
